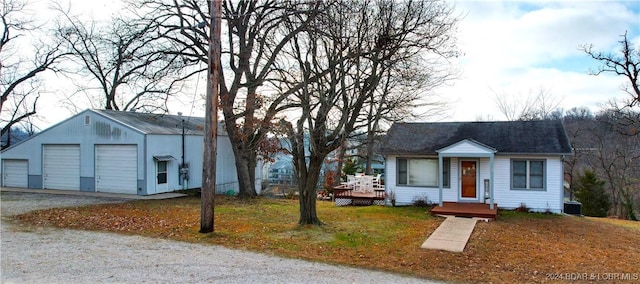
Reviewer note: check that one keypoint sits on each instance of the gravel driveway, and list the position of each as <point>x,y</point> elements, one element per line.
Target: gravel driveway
<point>48,255</point>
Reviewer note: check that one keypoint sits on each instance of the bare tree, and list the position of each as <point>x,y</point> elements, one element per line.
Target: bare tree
<point>404,94</point>
<point>578,124</point>
<point>18,73</point>
<point>341,62</point>
<point>533,106</point>
<point>131,66</point>
<point>617,158</point>
<point>626,63</point>
<point>600,145</point>
<point>252,42</point>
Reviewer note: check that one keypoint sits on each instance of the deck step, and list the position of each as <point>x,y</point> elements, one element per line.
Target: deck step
<point>479,210</point>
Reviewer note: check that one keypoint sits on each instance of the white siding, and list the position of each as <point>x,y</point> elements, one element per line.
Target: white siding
<point>226,176</point>
<point>550,198</point>
<point>537,200</point>
<point>406,195</point>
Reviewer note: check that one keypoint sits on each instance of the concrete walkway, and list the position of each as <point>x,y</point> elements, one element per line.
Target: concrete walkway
<point>452,235</point>
<point>95,194</point>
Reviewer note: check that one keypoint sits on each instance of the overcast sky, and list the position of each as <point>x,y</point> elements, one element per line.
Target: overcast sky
<point>509,47</point>
<point>518,47</point>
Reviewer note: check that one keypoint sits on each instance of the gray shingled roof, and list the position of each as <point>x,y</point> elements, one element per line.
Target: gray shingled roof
<point>512,137</point>
<point>150,123</point>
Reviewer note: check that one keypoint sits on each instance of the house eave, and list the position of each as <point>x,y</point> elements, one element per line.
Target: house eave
<point>463,154</point>
<point>532,154</point>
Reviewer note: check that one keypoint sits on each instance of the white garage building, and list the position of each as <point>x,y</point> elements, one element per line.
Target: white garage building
<point>119,152</point>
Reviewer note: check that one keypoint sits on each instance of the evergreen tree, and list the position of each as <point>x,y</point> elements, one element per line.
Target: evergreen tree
<point>591,193</point>
<point>350,167</point>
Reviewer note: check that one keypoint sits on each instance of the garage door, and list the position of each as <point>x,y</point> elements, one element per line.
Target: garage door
<point>61,167</point>
<point>15,173</point>
<point>117,168</point>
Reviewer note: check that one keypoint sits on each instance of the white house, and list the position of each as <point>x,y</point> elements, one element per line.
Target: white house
<point>508,163</point>
<point>119,152</point>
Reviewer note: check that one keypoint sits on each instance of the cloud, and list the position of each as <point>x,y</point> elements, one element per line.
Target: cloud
<point>516,47</point>
<point>514,35</point>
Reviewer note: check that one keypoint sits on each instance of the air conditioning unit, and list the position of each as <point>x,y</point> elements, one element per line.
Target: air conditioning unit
<point>573,208</point>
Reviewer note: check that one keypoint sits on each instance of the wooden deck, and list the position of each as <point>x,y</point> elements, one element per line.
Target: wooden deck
<point>480,210</point>
<point>345,195</point>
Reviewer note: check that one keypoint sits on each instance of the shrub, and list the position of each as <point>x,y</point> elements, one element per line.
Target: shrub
<point>329,181</point>
<point>421,201</point>
<point>591,193</point>
<point>523,208</point>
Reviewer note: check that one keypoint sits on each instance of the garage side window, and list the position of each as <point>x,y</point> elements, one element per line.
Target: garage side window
<point>162,172</point>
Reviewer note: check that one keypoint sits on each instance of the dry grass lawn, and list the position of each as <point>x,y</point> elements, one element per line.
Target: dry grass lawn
<point>518,247</point>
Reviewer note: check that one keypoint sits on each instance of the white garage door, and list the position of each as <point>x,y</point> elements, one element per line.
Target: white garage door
<point>117,168</point>
<point>15,173</point>
<point>61,167</point>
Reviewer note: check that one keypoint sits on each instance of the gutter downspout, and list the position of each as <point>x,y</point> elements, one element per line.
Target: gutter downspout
<point>182,142</point>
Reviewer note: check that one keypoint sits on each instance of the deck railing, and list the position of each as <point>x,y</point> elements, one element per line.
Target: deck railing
<point>347,195</point>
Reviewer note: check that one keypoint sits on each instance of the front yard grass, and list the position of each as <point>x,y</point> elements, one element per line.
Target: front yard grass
<point>518,247</point>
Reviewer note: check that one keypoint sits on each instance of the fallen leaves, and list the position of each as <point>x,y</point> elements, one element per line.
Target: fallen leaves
<point>518,247</point>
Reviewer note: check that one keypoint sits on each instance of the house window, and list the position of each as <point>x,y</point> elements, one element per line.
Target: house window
<point>162,172</point>
<point>422,172</point>
<point>527,174</point>
<point>446,170</point>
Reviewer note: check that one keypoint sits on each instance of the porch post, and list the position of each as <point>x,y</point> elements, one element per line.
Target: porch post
<point>491,182</point>
<point>440,177</point>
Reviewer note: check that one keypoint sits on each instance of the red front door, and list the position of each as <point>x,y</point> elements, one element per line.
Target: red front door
<point>468,171</point>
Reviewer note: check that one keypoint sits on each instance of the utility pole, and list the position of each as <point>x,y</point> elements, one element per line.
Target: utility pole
<point>211,119</point>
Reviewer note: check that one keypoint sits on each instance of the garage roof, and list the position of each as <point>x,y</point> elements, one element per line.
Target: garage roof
<point>150,123</point>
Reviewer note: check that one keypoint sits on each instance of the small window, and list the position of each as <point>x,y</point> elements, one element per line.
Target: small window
<point>162,172</point>
<point>519,174</point>
<point>536,174</point>
<point>446,172</point>
<point>402,171</point>
<point>87,120</point>
<point>527,174</point>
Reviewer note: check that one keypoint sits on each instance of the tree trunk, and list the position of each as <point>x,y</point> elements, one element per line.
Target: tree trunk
<point>371,136</point>
<point>341,152</point>
<point>245,169</point>
<point>307,185</point>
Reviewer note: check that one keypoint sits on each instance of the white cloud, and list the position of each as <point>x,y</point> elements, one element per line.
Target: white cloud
<point>476,96</point>
<point>517,47</point>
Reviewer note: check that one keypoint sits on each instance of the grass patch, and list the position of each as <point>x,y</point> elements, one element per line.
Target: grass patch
<point>518,247</point>
<point>519,215</point>
<point>633,225</point>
